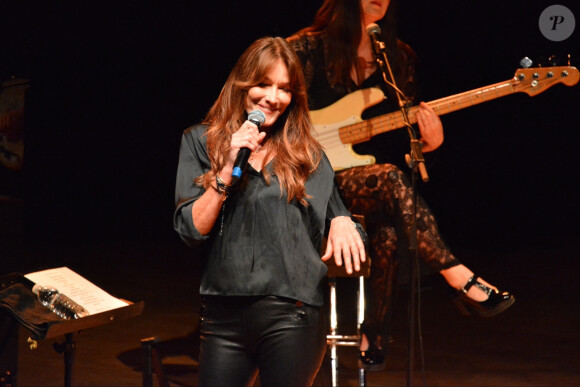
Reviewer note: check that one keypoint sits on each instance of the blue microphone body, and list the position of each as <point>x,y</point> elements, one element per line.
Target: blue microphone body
<point>257,118</point>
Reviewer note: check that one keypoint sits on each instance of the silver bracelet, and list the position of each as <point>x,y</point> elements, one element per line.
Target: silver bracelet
<point>222,187</point>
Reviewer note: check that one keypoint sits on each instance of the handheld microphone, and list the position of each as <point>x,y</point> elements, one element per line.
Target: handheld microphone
<point>257,118</point>
<point>374,32</point>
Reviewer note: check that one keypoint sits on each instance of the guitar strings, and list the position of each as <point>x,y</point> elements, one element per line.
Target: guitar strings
<point>364,130</point>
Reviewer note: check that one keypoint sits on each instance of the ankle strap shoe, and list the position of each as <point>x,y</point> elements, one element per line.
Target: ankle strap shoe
<point>497,301</point>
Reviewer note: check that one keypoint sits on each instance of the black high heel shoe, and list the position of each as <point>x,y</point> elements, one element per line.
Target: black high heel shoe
<point>496,301</point>
<point>373,359</point>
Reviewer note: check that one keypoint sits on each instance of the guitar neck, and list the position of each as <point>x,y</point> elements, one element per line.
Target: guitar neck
<point>365,130</point>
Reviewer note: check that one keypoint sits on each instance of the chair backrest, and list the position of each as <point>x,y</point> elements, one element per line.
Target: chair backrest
<point>340,271</point>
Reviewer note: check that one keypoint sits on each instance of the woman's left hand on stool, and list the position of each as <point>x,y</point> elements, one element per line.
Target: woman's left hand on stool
<point>345,243</point>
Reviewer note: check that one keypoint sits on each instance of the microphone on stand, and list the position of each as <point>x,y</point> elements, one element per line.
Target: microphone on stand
<point>380,52</point>
<point>374,32</point>
<point>257,118</point>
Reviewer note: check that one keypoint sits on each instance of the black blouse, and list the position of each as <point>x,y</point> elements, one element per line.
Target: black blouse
<point>267,246</point>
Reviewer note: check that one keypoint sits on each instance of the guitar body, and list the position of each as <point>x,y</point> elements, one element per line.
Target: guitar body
<point>344,112</point>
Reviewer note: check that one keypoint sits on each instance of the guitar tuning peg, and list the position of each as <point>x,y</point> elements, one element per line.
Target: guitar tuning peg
<point>526,62</point>
<point>553,60</point>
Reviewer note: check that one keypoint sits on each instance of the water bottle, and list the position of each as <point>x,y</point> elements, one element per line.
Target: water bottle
<point>58,302</point>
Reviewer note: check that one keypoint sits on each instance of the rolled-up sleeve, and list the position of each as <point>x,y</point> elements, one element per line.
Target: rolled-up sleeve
<point>336,207</point>
<point>193,162</point>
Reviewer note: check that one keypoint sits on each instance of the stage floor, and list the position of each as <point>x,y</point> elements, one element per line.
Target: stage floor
<point>534,343</point>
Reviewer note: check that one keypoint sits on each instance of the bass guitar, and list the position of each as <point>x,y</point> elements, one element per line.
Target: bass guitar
<point>340,125</point>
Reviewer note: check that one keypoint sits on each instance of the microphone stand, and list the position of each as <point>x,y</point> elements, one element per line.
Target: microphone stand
<point>416,162</point>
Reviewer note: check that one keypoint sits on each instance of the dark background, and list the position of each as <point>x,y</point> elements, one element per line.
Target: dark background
<point>113,85</point>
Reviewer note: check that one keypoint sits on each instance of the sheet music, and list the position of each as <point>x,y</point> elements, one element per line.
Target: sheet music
<point>80,290</point>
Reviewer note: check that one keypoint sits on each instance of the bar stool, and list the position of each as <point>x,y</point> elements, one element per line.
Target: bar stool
<point>334,339</point>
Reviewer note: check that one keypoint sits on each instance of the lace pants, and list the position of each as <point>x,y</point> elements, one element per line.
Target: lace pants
<point>383,194</point>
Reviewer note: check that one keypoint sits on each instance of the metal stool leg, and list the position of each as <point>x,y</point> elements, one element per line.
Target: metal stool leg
<point>334,339</point>
<point>362,377</point>
<point>333,327</point>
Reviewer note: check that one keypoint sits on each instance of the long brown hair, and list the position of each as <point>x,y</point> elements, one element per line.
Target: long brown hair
<point>340,22</point>
<point>297,152</point>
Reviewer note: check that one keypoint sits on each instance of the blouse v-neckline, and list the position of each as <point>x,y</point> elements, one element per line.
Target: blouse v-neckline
<point>265,166</point>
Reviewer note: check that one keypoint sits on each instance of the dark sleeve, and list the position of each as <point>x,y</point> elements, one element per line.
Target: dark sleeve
<point>193,162</point>
<point>336,207</point>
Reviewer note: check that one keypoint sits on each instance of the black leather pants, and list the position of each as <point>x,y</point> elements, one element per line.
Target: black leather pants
<point>281,339</point>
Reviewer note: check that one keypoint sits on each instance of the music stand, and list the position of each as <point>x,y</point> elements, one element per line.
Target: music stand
<point>67,328</point>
